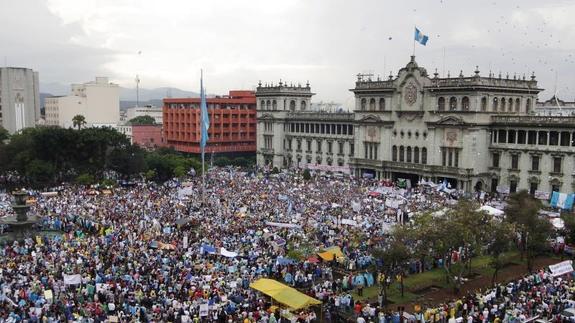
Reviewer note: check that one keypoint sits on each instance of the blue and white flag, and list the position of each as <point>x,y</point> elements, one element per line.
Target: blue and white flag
<point>420,37</point>
<point>562,200</point>
<point>205,120</point>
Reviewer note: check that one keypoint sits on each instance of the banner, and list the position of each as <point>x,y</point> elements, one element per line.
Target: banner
<point>283,225</point>
<point>226,253</point>
<point>349,222</point>
<point>561,268</point>
<point>204,309</point>
<point>72,279</point>
<point>356,206</point>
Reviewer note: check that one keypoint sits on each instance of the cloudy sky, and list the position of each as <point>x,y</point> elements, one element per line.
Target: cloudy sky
<point>239,42</point>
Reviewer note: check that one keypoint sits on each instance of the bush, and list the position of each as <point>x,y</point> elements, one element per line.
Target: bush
<point>108,183</point>
<point>275,170</point>
<point>85,179</point>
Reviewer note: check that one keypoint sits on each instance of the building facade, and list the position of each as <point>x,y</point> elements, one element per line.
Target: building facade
<point>98,101</point>
<point>19,98</point>
<point>476,132</point>
<point>232,123</point>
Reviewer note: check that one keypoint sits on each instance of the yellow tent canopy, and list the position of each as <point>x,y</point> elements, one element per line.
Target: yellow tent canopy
<point>331,252</point>
<point>284,294</point>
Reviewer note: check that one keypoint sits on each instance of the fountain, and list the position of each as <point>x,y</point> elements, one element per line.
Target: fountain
<point>20,226</point>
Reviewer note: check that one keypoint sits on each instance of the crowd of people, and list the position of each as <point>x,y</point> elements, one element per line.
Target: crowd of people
<point>188,252</point>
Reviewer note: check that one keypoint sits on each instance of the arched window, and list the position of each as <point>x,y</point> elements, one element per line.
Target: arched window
<point>483,104</point>
<point>381,104</point>
<point>528,106</point>
<point>517,105</point>
<point>465,103</point>
<point>408,157</point>
<point>394,153</point>
<point>416,155</point>
<point>262,105</point>
<point>401,153</point>
<point>303,105</point>
<point>424,155</point>
<point>268,105</point>
<point>372,104</point>
<point>292,105</point>
<point>441,104</point>
<point>274,105</point>
<point>452,103</point>
<point>495,104</point>
<point>363,103</point>
<point>502,104</point>
<point>510,105</point>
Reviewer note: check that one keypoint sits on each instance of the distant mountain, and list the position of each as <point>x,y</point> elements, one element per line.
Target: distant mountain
<point>126,94</point>
<point>130,104</point>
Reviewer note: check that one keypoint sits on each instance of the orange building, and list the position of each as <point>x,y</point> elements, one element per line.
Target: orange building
<point>232,123</point>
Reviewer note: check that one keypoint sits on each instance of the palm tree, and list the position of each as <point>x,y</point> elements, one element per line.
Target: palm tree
<point>78,121</point>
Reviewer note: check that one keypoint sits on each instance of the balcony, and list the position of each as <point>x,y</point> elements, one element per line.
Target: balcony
<point>534,172</point>
<point>267,151</point>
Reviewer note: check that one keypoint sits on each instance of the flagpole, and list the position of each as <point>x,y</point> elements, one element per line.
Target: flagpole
<point>201,144</point>
<point>414,28</point>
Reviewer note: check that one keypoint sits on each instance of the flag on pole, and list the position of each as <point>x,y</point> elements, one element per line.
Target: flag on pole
<point>420,37</point>
<point>205,120</point>
<point>562,200</point>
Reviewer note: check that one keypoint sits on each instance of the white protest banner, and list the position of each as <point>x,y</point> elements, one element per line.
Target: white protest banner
<point>229,254</point>
<point>356,206</point>
<point>185,242</point>
<point>283,225</point>
<point>204,308</point>
<point>561,268</point>
<point>72,279</point>
<point>349,222</point>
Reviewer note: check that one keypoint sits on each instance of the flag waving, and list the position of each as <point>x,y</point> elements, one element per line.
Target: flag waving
<point>205,120</point>
<point>420,37</point>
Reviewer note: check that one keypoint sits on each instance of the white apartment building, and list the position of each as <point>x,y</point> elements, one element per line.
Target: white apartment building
<point>98,101</point>
<point>19,98</point>
<point>148,110</point>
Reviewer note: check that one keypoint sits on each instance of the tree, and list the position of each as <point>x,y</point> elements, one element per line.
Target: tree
<point>500,236</point>
<point>142,120</point>
<point>394,256</point>
<point>306,174</point>
<point>127,161</point>
<point>523,213</point>
<point>78,121</point>
<point>85,179</point>
<point>39,171</point>
<point>569,229</point>
<point>4,135</point>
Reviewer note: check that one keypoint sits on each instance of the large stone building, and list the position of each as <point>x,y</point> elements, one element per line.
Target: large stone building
<point>476,132</point>
<point>98,101</point>
<point>19,98</point>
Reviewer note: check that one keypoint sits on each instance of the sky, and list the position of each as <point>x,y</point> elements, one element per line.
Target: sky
<point>326,42</point>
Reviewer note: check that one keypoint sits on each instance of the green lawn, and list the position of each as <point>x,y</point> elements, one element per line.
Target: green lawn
<point>436,277</point>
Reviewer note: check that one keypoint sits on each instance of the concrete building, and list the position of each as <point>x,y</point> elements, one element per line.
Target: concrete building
<point>19,98</point>
<point>476,132</point>
<point>98,101</point>
<point>555,107</point>
<point>232,123</point>
<point>148,110</point>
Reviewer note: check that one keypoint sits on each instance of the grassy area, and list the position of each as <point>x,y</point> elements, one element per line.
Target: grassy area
<point>433,278</point>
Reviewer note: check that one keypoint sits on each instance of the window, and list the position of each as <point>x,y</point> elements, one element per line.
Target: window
<point>521,137</point>
<point>303,105</point>
<point>515,161</point>
<point>363,104</point>
<point>289,144</point>
<point>351,147</point>
<point>502,136</point>
<point>510,104</point>
<point>557,164</point>
<point>443,156</point>
<point>483,104</point>
<point>340,148</point>
<point>329,147</point>
<point>532,137</point>
<point>456,158</point>
<point>495,104</point>
<point>542,138</point>
<point>424,155</point>
<point>512,186</point>
<point>565,138</point>
<point>465,103</point>
<point>517,105</point>
<point>553,138</point>
<point>401,153</point>
<point>416,155</point>
<point>494,184</point>
<point>299,145</point>
<point>452,103</point>
<point>394,153</point>
<point>441,104</point>
<point>382,104</point>
<point>408,158</point>
<point>274,105</point>
<point>262,104</point>
<point>372,104</point>
<point>268,105</point>
<point>292,105</point>
<point>532,188</point>
<point>555,187</point>
<point>528,106</point>
<point>495,160</point>
<point>535,163</point>
<point>449,157</point>
<point>502,104</point>
<point>318,145</point>
<point>511,136</point>
<point>308,142</point>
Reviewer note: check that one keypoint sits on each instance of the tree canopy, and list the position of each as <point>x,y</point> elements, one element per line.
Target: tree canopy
<point>142,120</point>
